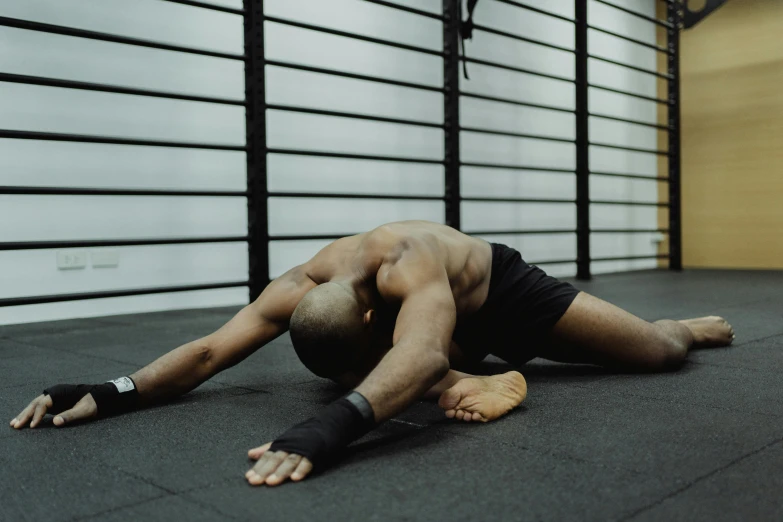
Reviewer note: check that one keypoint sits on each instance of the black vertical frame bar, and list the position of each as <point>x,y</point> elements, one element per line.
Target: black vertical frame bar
<point>582,144</point>
<point>255,116</point>
<point>451,24</point>
<point>673,84</point>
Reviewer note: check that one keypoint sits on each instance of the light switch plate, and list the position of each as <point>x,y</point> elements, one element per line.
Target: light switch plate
<point>71,259</point>
<point>105,258</point>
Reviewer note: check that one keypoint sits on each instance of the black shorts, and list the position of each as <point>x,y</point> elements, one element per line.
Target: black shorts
<point>522,307</point>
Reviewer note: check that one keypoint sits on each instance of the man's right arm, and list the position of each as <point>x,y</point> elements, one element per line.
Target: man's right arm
<point>183,369</point>
<point>186,367</point>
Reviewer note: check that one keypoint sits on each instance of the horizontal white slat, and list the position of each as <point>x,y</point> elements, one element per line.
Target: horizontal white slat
<point>51,109</point>
<point>166,22</point>
<point>34,53</point>
<point>325,133</point>
<point>365,18</point>
<point>313,174</point>
<point>51,218</point>
<point>288,216</point>
<point>69,164</point>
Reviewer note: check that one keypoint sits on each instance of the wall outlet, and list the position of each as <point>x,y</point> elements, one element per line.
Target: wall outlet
<point>71,259</point>
<point>105,258</point>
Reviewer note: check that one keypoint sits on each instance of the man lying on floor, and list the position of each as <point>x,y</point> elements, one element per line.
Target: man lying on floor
<point>391,314</point>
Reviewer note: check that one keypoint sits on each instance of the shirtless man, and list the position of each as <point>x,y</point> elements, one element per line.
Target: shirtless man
<point>393,314</point>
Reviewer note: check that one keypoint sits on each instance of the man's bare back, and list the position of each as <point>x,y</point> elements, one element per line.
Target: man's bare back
<point>369,257</point>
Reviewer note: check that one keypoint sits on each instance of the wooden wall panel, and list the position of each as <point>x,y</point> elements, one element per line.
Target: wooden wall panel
<point>732,137</point>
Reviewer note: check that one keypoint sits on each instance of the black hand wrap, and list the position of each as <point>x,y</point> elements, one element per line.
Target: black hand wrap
<point>321,438</point>
<point>112,397</point>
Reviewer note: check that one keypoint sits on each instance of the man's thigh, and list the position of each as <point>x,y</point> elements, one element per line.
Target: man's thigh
<point>593,331</point>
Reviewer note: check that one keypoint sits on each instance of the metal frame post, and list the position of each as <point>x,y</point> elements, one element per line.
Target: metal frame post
<point>582,143</point>
<point>673,84</point>
<point>255,117</point>
<point>451,25</point>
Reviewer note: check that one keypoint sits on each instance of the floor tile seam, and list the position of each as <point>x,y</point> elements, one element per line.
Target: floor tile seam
<point>72,352</point>
<point>701,478</point>
<point>748,302</point>
<point>235,386</point>
<point>210,507</point>
<point>407,423</point>
<point>699,404</point>
<point>102,326</point>
<point>173,402</point>
<point>179,494</point>
<point>139,477</point>
<point>736,367</point>
<point>745,343</point>
<point>117,508</point>
<point>269,390</point>
<point>706,406</point>
<point>205,486</point>
<point>532,384</point>
<point>554,454</point>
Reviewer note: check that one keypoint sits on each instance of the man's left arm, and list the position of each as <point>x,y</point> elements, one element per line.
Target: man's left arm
<point>417,361</point>
<point>420,356</point>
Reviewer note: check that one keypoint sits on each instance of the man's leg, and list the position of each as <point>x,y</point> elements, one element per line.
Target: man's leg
<point>593,331</point>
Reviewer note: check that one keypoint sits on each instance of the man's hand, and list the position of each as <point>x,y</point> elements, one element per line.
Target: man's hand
<point>274,468</point>
<point>84,409</point>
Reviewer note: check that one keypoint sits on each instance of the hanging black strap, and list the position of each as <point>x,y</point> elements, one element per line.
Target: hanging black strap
<point>466,32</point>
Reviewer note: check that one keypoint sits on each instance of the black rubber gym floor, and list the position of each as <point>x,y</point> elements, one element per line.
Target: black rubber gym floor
<point>703,443</point>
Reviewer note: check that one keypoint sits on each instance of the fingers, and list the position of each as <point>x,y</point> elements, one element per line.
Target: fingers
<point>274,468</point>
<point>84,409</point>
<point>20,421</point>
<point>256,453</point>
<point>302,470</point>
<point>267,464</point>
<point>40,411</point>
<point>284,470</point>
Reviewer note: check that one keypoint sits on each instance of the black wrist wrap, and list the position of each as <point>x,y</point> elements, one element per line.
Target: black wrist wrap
<point>108,397</point>
<point>321,438</point>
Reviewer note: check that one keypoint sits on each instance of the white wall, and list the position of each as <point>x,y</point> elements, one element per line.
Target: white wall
<point>33,272</point>
<point>513,151</point>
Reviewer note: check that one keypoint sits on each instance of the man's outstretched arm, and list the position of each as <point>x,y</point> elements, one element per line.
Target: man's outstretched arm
<point>186,367</point>
<point>260,322</point>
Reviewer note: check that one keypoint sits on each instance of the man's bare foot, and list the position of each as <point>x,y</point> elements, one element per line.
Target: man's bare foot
<point>710,332</point>
<point>482,399</point>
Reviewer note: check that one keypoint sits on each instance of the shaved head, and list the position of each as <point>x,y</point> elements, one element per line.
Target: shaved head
<point>327,330</point>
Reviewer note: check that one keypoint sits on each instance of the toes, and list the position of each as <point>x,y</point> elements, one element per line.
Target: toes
<point>467,416</point>
<point>477,417</point>
<point>460,414</point>
<point>450,413</point>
